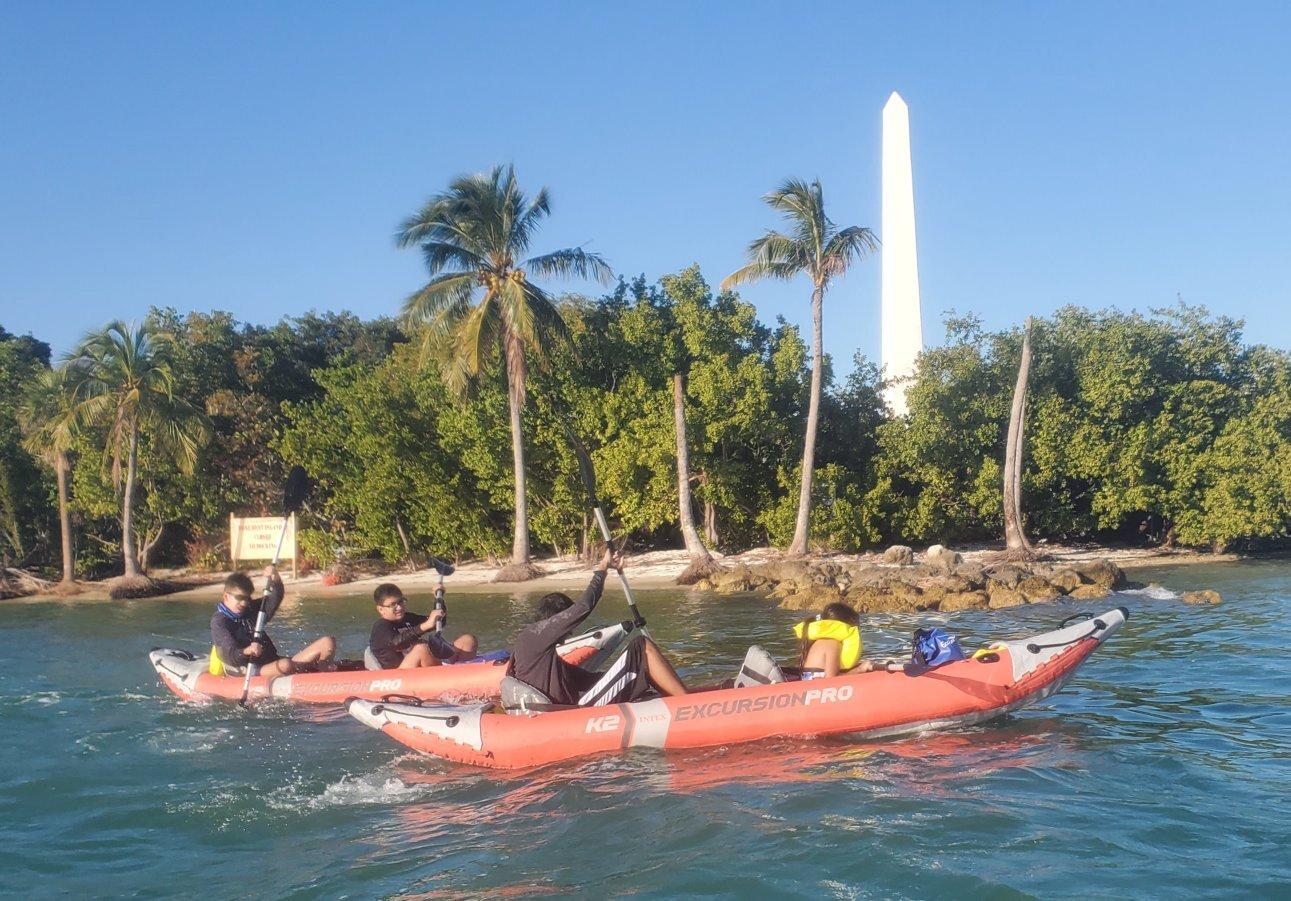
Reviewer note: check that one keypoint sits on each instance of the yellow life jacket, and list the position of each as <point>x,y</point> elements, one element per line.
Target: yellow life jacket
<point>216,667</point>
<point>848,636</point>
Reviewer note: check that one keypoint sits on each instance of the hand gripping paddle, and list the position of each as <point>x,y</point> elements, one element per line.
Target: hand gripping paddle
<point>444,568</point>
<point>294,493</point>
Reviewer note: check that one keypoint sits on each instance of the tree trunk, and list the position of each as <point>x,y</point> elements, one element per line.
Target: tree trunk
<point>802,528</point>
<point>520,541</point>
<point>710,524</point>
<point>65,519</point>
<point>129,556</point>
<point>407,548</point>
<point>701,561</point>
<point>145,555</point>
<point>1015,538</point>
<point>519,569</point>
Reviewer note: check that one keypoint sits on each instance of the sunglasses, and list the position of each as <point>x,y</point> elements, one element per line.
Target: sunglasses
<point>397,602</point>
<point>244,598</point>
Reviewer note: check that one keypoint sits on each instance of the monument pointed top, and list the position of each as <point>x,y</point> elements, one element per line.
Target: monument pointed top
<point>895,100</point>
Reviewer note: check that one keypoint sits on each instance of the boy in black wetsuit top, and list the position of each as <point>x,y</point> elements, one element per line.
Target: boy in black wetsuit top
<point>535,662</point>
<point>233,630</point>
<point>403,640</point>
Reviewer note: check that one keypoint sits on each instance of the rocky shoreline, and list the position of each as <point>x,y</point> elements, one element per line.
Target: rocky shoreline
<point>943,582</point>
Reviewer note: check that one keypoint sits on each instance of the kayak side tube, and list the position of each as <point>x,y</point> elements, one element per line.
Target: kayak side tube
<point>877,703</point>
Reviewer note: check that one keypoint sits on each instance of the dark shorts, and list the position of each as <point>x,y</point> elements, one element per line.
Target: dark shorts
<point>440,646</point>
<point>624,681</point>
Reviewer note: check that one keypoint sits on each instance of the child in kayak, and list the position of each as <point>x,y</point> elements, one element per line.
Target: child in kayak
<point>831,643</point>
<point>403,640</point>
<point>535,662</point>
<point>233,631</point>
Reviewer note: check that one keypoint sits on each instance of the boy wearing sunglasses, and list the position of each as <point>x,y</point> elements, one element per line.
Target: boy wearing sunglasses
<point>233,630</point>
<point>403,640</point>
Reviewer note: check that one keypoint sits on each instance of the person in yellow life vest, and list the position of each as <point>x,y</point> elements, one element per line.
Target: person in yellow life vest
<point>831,643</point>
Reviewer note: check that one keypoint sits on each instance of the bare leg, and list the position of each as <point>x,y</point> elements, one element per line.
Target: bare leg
<point>321,650</point>
<point>418,655</point>
<point>466,645</point>
<point>660,672</point>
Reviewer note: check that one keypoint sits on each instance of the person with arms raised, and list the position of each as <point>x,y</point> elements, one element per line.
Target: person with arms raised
<point>535,662</point>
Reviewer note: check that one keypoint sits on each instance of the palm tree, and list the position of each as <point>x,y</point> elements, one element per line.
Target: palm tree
<point>481,303</point>
<point>123,380</point>
<point>48,418</point>
<point>821,250</point>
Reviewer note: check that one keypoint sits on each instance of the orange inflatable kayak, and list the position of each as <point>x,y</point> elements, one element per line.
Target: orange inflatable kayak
<point>188,676</point>
<point>865,705</point>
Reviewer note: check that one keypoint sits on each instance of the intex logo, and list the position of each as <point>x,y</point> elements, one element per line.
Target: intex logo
<point>385,685</point>
<point>604,723</point>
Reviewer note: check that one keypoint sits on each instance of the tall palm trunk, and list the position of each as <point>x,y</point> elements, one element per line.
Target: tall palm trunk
<point>802,528</point>
<point>65,518</point>
<point>1015,538</point>
<point>515,398</point>
<point>128,553</point>
<point>701,561</point>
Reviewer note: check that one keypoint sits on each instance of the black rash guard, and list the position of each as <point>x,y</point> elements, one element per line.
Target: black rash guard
<point>390,640</point>
<point>231,634</point>
<point>534,660</point>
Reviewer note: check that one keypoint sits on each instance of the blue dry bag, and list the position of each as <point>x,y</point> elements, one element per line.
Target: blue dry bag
<point>933,647</point>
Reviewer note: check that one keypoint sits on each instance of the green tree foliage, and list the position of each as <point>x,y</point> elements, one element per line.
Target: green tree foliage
<point>26,517</point>
<point>1161,427</point>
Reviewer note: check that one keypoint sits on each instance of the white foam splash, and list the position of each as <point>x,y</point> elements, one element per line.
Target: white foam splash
<point>368,788</point>
<point>43,698</point>
<point>188,741</point>
<point>1154,591</point>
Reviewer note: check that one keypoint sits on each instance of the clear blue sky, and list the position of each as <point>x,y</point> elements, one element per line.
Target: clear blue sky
<point>257,157</point>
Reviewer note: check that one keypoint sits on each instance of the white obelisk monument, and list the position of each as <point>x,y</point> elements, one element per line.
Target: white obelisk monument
<point>902,328</point>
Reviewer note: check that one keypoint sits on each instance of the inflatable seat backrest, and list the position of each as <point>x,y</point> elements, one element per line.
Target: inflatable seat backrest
<point>759,668</point>
<point>370,660</point>
<point>520,698</point>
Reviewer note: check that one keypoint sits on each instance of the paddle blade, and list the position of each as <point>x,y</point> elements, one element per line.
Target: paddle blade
<point>585,470</point>
<point>443,567</point>
<point>295,490</point>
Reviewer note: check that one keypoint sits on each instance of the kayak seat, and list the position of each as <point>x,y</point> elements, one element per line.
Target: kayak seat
<point>758,668</point>
<point>521,698</point>
<point>370,660</point>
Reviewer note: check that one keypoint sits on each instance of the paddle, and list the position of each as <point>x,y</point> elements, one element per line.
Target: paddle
<point>588,474</point>
<point>294,493</point>
<point>444,568</point>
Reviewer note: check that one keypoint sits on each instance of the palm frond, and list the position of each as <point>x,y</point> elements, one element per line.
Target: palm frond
<point>441,255</point>
<point>571,261</point>
<point>526,224</point>
<point>475,339</point>
<point>847,246</point>
<point>442,293</point>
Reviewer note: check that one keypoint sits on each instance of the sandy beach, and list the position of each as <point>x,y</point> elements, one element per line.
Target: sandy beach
<point>653,569</point>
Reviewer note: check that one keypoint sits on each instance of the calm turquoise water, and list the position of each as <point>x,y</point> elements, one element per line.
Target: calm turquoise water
<point>1162,769</point>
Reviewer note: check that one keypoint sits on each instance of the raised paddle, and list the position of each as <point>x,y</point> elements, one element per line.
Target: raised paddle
<point>587,473</point>
<point>444,568</point>
<point>294,493</point>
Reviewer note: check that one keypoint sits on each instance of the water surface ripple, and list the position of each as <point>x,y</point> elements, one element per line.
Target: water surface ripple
<point>1162,769</point>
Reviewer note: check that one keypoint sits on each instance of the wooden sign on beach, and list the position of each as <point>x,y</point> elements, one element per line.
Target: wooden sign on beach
<point>256,538</point>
